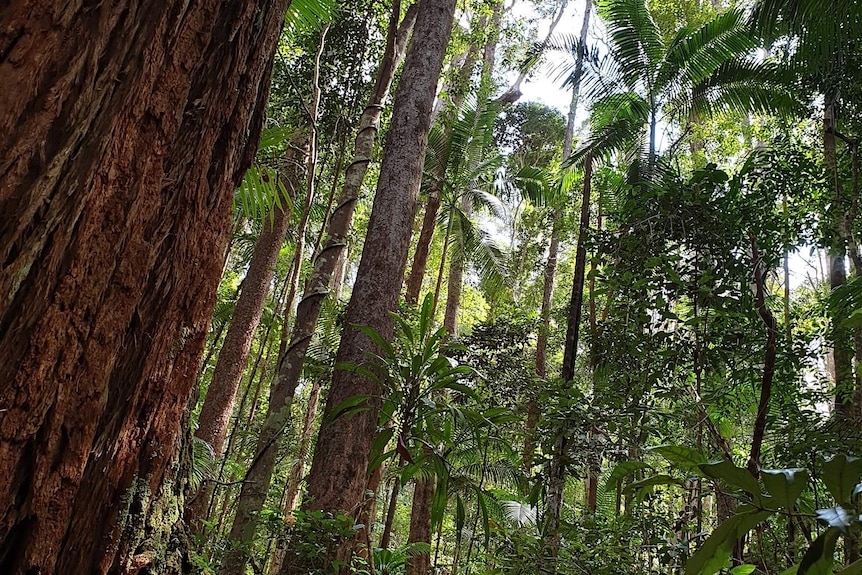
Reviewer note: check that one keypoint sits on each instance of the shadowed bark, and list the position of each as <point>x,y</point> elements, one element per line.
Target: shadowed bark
<point>126,129</point>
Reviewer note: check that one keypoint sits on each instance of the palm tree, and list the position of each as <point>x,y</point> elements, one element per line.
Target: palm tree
<point>462,171</point>
<point>645,80</point>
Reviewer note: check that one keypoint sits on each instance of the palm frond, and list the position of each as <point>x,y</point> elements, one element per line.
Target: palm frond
<point>309,15</point>
<point>635,40</point>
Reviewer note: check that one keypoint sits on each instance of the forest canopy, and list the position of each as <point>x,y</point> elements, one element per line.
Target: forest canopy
<point>489,287</point>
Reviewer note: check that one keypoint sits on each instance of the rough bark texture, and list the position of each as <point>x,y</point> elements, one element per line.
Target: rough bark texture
<point>124,133</point>
<point>420,525</point>
<point>221,393</point>
<point>338,472</point>
<point>459,89</point>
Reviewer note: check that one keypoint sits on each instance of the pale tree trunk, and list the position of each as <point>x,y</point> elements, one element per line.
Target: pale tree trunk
<point>841,354</point>
<point>126,127</point>
<point>338,472</point>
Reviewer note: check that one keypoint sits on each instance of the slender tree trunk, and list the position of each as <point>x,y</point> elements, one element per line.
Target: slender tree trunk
<point>423,246</point>
<point>221,394</point>
<point>556,480</point>
<point>576,303</point>
<point>420,526</point>
<point>294,480</point>
<point>338,471</point>
<point>759,278</point>
<point>455,281</point>
<point>386,535</point>
<point>841,354</point>
<point>257,480</point>
<point>126,127</point>
<point>553,250</point>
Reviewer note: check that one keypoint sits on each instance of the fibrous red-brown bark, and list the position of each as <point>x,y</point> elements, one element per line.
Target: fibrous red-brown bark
<point>124,128</point>
<point>420,525</point>
<point>337,478</point>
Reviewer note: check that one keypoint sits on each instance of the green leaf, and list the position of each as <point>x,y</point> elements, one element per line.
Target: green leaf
<point>743,569</point>
<point>735,476</point>
<point>623,470</point>
<point>785,485</point>
<point>652,482</point>
<point>820,556</point>
<point>684,458</point>
<point>854,568</point>
<point>350,406</point>
<point>836,517</point>
<point>840,474</point>
<point>378,340</point>
<point>715,552</point>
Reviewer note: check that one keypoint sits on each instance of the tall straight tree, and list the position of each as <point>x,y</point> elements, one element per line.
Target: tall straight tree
<point>259,476</point>
<point>126,127</point>
<point>337,478</point>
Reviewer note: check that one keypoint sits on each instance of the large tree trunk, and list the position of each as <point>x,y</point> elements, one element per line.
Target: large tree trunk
<point>337,478</point>
<point>459,89</point>
<point>126,127</point>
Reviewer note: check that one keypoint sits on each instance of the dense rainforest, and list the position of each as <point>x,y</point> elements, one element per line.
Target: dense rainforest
<point>488,287</point>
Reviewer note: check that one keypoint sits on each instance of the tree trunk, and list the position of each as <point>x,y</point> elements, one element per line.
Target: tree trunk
<point>842,354</point>
<point>338,471</point>
<point>759,278</point>
<point>553,250</point>
<point>576,303</point>
<point>259,476</point>
<point>294,480</point>
<point>455,280</point>
<point>557,468</point>
<point>420,526</point>
<point>126,127</point>
<point>392,504</point>
<point>423,246</point>
<point>218,405</point>
<point>458,89</point>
